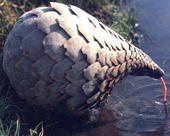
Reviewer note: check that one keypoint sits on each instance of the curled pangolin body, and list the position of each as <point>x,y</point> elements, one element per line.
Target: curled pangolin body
<point>60,56</point>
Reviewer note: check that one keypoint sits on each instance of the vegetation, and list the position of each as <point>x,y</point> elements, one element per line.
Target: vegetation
<point>16,117</point>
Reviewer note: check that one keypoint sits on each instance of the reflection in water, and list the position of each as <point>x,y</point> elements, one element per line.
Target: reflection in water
<point>166,111</point>
<point>142,111</point>
<point>80,126</point>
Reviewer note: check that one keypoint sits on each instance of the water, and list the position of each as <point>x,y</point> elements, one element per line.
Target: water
<point>138,100</point>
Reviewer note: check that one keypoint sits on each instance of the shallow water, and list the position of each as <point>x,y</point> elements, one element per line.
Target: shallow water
<point>138,100</point>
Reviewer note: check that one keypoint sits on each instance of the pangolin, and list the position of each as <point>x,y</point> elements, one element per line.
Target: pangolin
<point>62,57</point>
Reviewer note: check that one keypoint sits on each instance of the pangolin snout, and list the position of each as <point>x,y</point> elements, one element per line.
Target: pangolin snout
<point>152,70</point>
<point>156,73</point>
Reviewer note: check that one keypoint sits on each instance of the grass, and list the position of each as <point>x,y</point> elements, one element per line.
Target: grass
<point>10,124</point>
<point>7,19</point>
<point>123,22</point>
<point>13,129</point>
<point>16,117</point>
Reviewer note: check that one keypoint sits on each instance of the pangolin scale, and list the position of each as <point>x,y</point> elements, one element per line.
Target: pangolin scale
<point>60,56</point>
